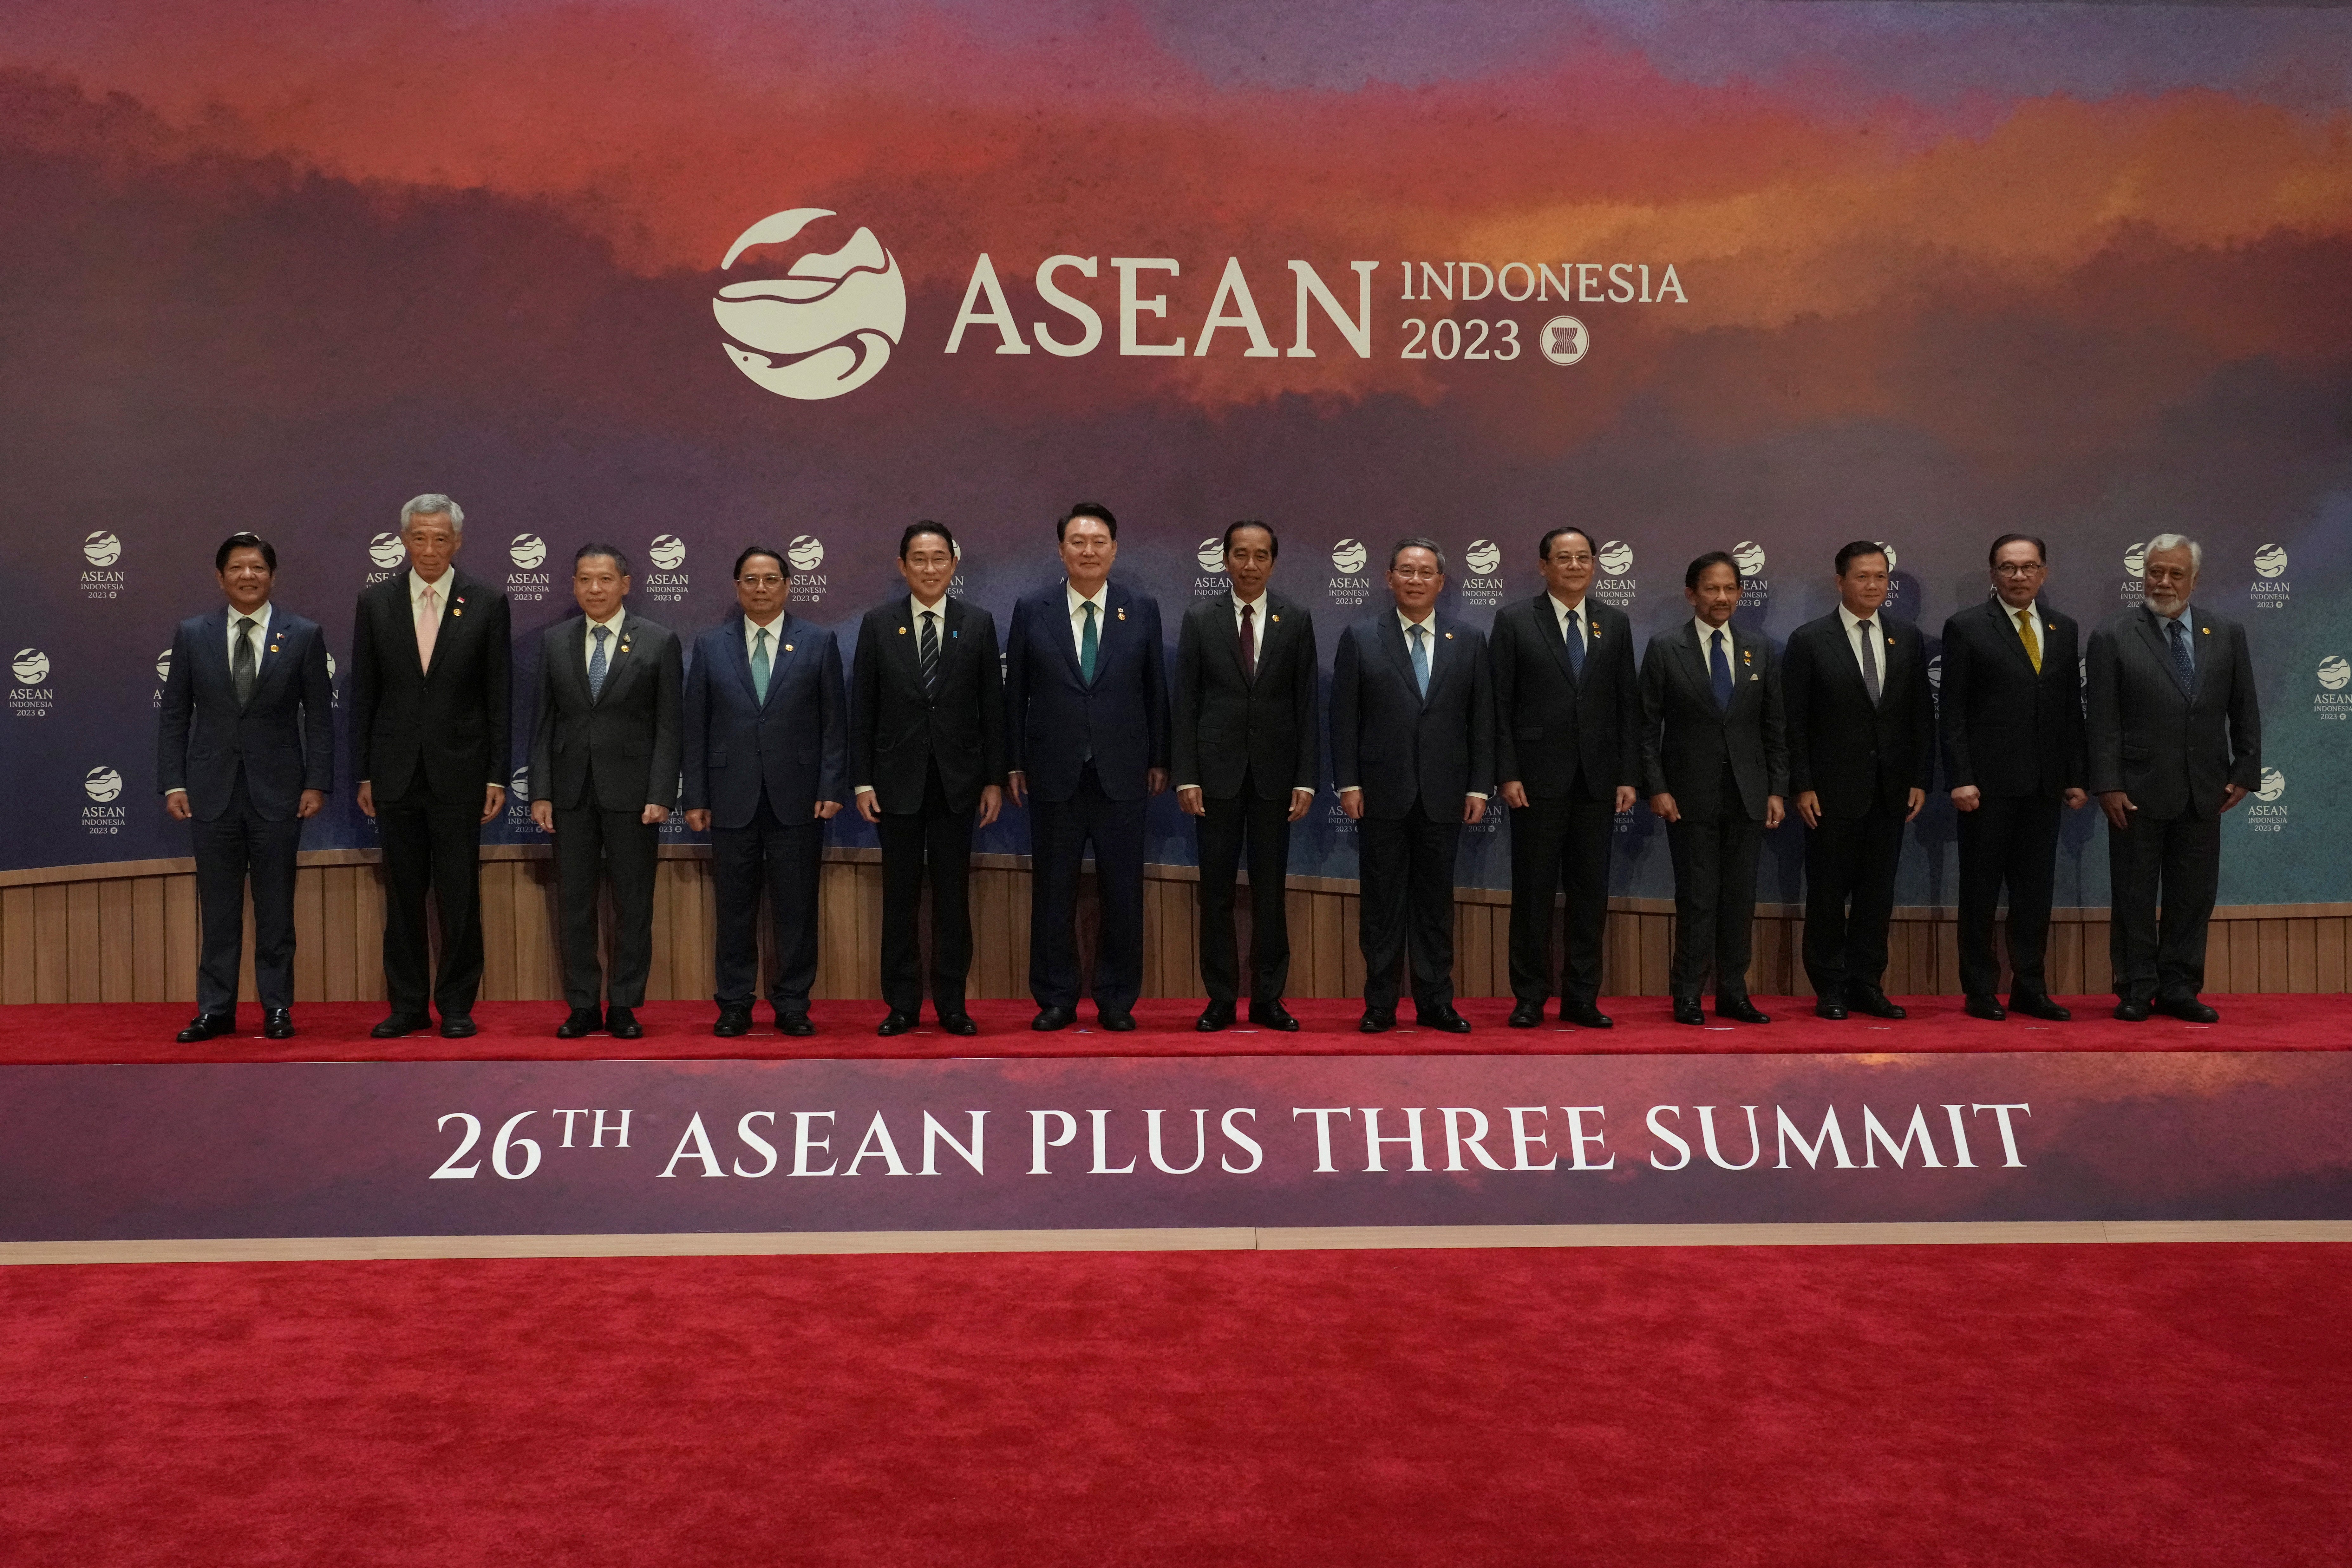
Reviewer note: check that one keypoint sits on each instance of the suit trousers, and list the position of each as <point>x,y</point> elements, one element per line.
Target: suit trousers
<point>1406,910</point>
<point>1849,860</point>
<point>1059,832</point>
<point>1558,839</point>
<point>785,857</point>
<point>934,841</point>
<point>2178,860</point>
<point>1264,827</point>
<point>432,846</point>
<point>589,842</point>
<point>1714,898</point>
<point>236,845</point>
<point>2011,839</point>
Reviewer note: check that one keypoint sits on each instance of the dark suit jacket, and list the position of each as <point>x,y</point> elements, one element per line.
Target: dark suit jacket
<point>796,746</point>
<point>452,725</point>
<point>2008,731</point>
<point>1228,725</point>
<point>896,731</point>
<point>1398,747</point>
<point>1551,728</point>
<point>1052,717</point>
<point>1686,739</point>
<point>2172,752</point>
<point>284,738</point>
<point>633,731</point>
<point>1847,750</point>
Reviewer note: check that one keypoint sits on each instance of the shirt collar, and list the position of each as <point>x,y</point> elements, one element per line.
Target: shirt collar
<point>260,617</point>
<point>1560,609</point>
<point>1406,623</point>
<point>612,625</point>
<point>1848,619</point>
<point>917,608</point>
<point>1101,601</point>
<point>1257,604</point>
<point>751,627</point>
<point>417,585</point>
<point>1707,633</point>
<point>2183,617</point>
<point>2031,609</point>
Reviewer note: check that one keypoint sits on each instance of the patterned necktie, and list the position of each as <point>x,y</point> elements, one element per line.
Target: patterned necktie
<point>1574,637</point>
<point>428,626</point>
<point>759,666</point>
<point>240,669</point>
<point>1869,658</point>
<point>2183,669</point>
<point>1249,642</point>
<point>1087,645</point>
<point>1421,659</point>
<point>929,651</point>
<point>596,665</point>
<point>1719,666</point>
<point>2032,646</point>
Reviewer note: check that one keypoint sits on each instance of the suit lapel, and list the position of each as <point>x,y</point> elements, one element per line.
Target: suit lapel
<point>909,640</point>
<point>214,652</point>
<point>2004,628</point>
<point>1695,652</point>
<point>789,635</point>
<point>1392,636</point>
<point>620,658</point>
<point>1548,627</point>
<point>739,657</point>
<point>2154,641</point>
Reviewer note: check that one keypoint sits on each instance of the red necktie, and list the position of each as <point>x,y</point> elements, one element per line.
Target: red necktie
<point>1249,642</point>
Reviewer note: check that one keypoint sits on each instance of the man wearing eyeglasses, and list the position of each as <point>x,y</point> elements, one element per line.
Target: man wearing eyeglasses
<point>2012,726</point>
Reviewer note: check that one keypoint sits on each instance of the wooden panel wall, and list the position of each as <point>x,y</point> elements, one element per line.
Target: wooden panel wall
<point>127,933</point>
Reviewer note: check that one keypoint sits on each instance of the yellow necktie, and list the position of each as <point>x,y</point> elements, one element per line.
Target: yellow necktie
<point>2025,630</point>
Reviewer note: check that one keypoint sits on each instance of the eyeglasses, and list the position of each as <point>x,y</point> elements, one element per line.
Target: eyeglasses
<point>751,579</point>
<point>2019,569</point>
<point>1417,573</point>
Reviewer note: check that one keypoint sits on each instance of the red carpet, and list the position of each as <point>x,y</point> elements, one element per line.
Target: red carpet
<point>2033,1406</point>
<point>338,1031</point>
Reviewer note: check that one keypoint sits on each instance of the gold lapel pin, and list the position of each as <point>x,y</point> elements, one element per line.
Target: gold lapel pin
<point>1449,637</point>
<point>902,631</point>
<point>1274,617</point>
<point>456,609</point>
<point>1890,642</point>
<point>788,647</point>
<point>1122,614</point>
<point>2207,630</point>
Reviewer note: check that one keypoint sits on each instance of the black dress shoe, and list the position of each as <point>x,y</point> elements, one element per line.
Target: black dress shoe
<point>2188,1010</point>
<point>1214,1016</point>
<point>1117,1022</point>
<point>459,1026</point>
<point>1687,1011</point>
<point>1875,1003</point>
<point>2131,1010</point>
<point>957,1024</point>
<point>1740,1010</point>
<point>399,1024</point>
<point>2033,1004</point>
<point>1986,1008</point>
<point>622,1023</point>
<point>732,1021</point>
<point>1273,1015</point>
<point>1830,1008</point>
<point>278,1024</point>
<point>584,1021</point>
<point>1525,1015</point>
<point>793,1022</point>
<point>1443,1018</point>
<point>205,1025</point>
<point>1585,1015</point>
<point>1053,1018</point>
<point>1377,1021</point>
<point>896,1021</point>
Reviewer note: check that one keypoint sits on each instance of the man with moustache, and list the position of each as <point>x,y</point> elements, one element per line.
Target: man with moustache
<point>927,733</point>
<point>604,759</point>
<point>2012,724</point>
<point>1244,763</point>
<point>766,755</point>
<point>1568,742</point>
<point>1086,726</point>
<point>2175,739</point>
<point>244,753</point>
<point>1412,752</point>
<point>432,674</point>
<point>1715,760</point>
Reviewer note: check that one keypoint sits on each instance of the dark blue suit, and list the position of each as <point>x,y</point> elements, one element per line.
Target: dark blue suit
<point>244,767</point>
<point>1086,748</point>
<point>760,768</point>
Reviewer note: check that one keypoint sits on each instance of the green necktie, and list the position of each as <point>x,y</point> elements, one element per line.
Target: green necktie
<point>759,666</point>
<point>1087,644</point>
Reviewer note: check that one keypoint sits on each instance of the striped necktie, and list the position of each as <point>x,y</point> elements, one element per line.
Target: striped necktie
<point>929,653</point>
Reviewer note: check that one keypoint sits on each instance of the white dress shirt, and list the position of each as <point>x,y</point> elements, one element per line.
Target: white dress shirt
<point>751,630</point>
<point>612,643</point>
<point>1560,612</point>
<point>260,634</point>
<point>1852,623</point>
<point>1101,602</point>
<point>1705,638</point>
<point>1257,619</point>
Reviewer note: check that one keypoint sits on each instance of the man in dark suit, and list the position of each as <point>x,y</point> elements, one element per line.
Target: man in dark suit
<point>2012,724</point>
<point>1568,742</point>
<point>1715,762</point>
<point>1086,725</point>
<point>604,758</point>
<point>1244,763</point>
<point>927,736</point>
<point>1862,752</point>
<point>1413,750</point>
<point>245,750</point>
<point>767,749</point>
<point>432,678</point>
<point>2175,739</point>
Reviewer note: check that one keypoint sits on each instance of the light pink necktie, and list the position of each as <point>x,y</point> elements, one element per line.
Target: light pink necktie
<point>428,627</point>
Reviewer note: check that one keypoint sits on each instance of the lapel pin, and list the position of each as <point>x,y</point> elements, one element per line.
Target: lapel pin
<point>456,609</point>
<point>1122,614</point>
<point>1449,637</point>
<point>2207,630</point>
<point>902,631</point>
<point>1890,642</point>
<point>788,647</point>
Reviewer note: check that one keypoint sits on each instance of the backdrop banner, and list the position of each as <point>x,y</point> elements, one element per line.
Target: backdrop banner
<point>620,1147</point>
<point>684,277</point>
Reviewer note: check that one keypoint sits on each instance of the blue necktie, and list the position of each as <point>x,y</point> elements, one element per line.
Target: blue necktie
<point>1575,646</point>
<point>2183,670</point>
<point>1087,645</point>
<point>1421,659</point>
<point>759,666</point>
<point>1719,666</point>
<point>596,665</point>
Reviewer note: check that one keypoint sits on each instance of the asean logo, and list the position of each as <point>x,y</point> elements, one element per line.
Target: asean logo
<point>668,552</point>
<point>1748,556</point>
<point>807,552</point>
<point>1482,557</point>
<point>1211,553</point>
<point>2273,786</point>
<point>101,784</point>
<point>826,326</point>
<point>101,549</point>
<point>1348,557</point>
<point>1888,551</point>
<point>2270,560</point>
<point>385,550</point>
<point>2135,561</point>
<point>1616,558</point>
<point>31,666</point>
<point>527,551</point>
<point>2335,673</point>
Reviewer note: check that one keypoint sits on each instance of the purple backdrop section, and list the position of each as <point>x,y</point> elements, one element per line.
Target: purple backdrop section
<point>416,1149</point>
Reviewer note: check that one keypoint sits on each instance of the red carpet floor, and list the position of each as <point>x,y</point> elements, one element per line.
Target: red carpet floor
<point>338,1031</point>
<point>2030,1406</point>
